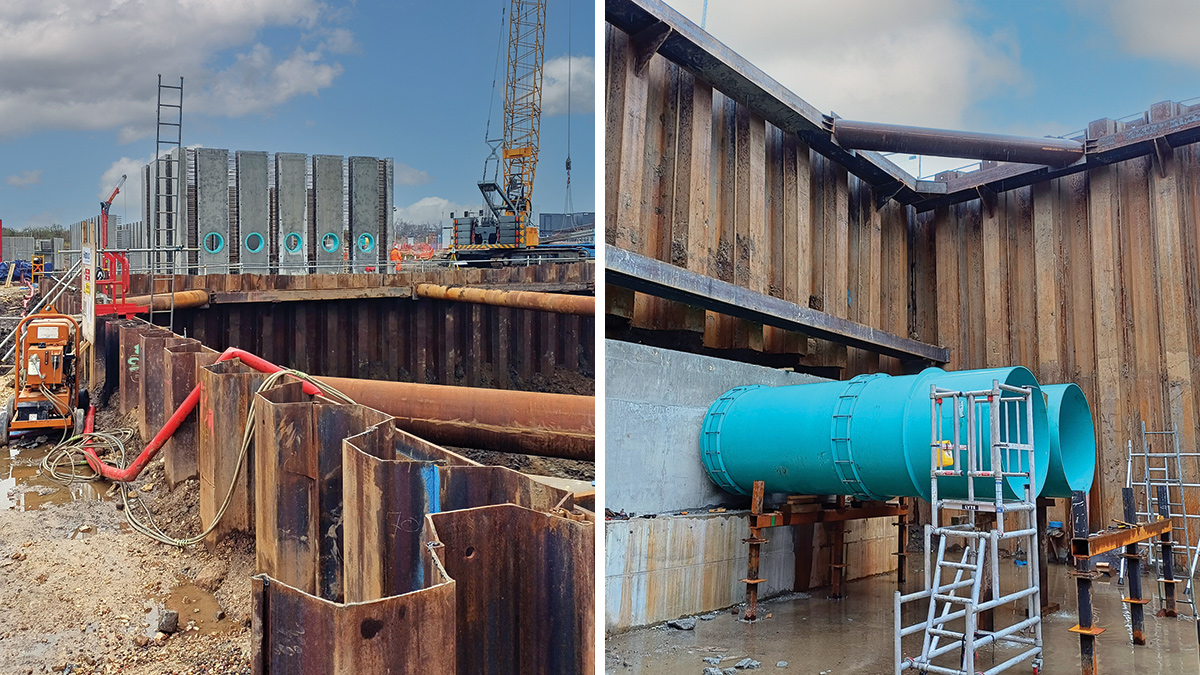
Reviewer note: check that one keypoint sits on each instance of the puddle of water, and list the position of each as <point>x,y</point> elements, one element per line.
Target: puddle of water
<point>24,487</point>
<point>196,607</point>
<point>855,635</point>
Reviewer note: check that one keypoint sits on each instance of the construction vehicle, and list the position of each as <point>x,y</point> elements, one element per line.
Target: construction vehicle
<point>46,380</point>
<point>500,231</point>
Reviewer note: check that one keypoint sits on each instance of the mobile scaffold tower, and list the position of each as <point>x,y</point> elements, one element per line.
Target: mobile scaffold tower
<point>983,439</point>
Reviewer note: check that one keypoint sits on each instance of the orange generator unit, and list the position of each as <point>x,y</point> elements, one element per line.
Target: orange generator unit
<point>45,381</point>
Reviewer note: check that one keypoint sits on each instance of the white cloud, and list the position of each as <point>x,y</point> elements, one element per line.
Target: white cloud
<point>58,74</point>
<point>903,61</point>
<point>257,82</point>
<point>339,41</point>
<point>1165,29</point>
<point>429,210</point>
<point>407,175</point>
<point>582,80</point>
<point>130,199</point>
<point>25,178</point>
<point>131,193</point>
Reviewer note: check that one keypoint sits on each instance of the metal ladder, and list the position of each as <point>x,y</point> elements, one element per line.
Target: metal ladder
<point>168,193</point>
<point>959,451</point>
<point>1166,467</point>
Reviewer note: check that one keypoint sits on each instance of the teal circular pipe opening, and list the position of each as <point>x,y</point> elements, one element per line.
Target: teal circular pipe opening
<point>366,243</point>
<point>214,242</point>
<point>1072,441</point>
<point>867,437</point>
<point>254,242</point>
<point>292,242</point>
<point>331,242</point>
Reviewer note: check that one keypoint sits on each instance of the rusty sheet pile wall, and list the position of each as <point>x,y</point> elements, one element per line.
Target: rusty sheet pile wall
<point>698,180</point>
<point>375,548</point>
<point>398,338</point>
<point>1091,277</point>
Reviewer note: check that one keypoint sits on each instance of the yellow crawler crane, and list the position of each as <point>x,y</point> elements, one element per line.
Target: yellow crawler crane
<point>501,230</point>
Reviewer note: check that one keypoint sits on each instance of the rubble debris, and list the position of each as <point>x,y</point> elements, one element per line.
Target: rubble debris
<point>686,623</point>
<point>211,575</point>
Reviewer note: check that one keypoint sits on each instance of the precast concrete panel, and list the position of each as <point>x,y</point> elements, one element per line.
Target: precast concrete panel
<point>140,238</point>
<point>166,211</point>
<point>364,212</point>
<point>385,224</point>
<point>291,196</point>
<point>18,248</point>
<point>254,231</point>
<point>329,214</point>
<point>177,223</point>
<point>212,210</point>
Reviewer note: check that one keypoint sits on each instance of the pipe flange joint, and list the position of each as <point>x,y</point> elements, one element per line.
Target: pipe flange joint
<point>839,438</point>
<point>710,439</point>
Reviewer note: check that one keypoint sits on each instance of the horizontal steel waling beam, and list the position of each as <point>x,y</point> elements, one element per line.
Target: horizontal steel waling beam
<point>833,515</point>
<point>654,277</point>
<point>1102,542</point>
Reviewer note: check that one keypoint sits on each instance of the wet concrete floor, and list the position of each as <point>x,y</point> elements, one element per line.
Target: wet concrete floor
<point>814,634</point>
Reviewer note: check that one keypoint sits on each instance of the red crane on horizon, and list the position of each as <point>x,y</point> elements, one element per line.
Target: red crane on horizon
<point>104,206</point>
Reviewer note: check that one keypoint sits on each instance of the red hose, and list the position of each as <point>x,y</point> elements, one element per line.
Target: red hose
<point>181,413</point>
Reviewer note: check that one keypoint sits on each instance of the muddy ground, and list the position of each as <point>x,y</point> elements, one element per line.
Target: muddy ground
<point>811,634</point>
<point>80,592</point>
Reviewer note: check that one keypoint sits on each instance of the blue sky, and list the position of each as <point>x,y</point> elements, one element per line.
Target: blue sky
<point>1029,67</point>
<point>400,79</point>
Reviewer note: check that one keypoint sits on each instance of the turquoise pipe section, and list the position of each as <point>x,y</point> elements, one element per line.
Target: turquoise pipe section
<point>868,436</point>
<point>1072,441</point>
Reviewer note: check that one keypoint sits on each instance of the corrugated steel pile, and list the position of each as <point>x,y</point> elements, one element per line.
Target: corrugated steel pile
<point>377,550</point>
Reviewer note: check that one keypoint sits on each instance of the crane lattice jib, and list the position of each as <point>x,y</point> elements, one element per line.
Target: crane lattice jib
<point>523,100</point>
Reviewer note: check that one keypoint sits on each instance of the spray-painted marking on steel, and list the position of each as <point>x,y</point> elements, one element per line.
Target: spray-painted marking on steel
<point>839,436</point>
<point>710,442</point>
<point>135,360</point>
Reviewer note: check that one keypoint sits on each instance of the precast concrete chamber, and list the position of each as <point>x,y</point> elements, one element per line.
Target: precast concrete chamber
<point>868,437</point>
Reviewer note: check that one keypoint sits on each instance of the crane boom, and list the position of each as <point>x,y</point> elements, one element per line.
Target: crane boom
<point>104,206</point>
<point>523,101</point>
<point>501,230</point>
